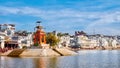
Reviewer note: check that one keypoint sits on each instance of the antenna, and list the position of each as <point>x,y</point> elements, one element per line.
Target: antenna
<point>37,24</point>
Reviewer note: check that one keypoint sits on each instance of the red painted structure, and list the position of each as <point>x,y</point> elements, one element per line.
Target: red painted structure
<point>39,36</point>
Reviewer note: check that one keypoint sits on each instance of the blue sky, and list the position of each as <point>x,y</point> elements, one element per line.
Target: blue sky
<point>102,16</point>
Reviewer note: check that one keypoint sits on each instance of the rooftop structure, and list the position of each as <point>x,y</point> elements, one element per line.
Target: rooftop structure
<point>77,33</point>
<point>8,29</point>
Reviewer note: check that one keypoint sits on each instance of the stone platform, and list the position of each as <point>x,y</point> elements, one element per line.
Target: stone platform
<point>38,52</point>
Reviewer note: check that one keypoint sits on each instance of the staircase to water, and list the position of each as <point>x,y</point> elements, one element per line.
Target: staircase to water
<point>16,52</point>
<point>58,52</point>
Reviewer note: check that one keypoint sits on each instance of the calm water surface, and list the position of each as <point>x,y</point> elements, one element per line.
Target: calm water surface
<point>85,59</point>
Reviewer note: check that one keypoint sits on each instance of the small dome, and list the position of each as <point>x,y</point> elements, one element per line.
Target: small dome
<point>39,27</point>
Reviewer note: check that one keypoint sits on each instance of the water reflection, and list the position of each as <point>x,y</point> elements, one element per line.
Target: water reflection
<point>8,62</point>
<point>100,59</point>
<point>45,62</point>
<point>85,59</point>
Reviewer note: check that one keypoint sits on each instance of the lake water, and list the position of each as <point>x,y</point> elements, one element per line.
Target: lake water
<point>85,59</point>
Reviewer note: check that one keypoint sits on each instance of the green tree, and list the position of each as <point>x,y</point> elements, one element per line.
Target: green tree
<point>59,34</point>
<point>36,44</point>
<point>62,34</point>
<point>52,39</point>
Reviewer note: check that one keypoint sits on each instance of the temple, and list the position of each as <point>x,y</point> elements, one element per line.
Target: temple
<point>39,36</point>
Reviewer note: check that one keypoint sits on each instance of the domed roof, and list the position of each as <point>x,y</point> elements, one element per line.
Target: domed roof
<point>39,27</point>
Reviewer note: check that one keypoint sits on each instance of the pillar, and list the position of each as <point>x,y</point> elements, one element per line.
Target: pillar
<point>2,44</point>
<point>44,39</point>
<point>40,39</point>
<point>19,44</point>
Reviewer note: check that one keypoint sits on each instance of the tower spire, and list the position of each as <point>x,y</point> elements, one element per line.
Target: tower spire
<point>38,26</point>
<point>38,23</point>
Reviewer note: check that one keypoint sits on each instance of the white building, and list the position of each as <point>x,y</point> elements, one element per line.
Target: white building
<point>8,29</point>
<point>64,41</point>
<point>72,41</point>
<point>23,40</point>
<point>2,39</point>
<point>82,41</point>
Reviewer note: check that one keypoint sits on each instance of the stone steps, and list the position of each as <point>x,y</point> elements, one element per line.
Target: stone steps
<point>15,53</point>
<point>6,53</point>
<point>58,52</point>
<point>65,52</point>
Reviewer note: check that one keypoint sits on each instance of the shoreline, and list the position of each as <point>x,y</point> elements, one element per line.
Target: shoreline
<point>95,48</point>
<point>51,52</point>
<point>38,52</point>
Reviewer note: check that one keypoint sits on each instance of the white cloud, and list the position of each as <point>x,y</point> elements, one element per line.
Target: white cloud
<point>44,13</point>
<point>105,24</point>
<point>68,20</point>
<point>8,10</point>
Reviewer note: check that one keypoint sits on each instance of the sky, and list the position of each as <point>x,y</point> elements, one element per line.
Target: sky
<point>91,16</point>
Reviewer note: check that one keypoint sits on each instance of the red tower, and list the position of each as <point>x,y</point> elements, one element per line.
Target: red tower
<point>39,35</point>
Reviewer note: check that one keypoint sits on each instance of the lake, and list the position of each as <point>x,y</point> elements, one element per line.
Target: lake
<point>85,59</point>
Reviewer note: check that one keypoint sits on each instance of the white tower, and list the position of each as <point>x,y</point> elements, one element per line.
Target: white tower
<point>2,40</point>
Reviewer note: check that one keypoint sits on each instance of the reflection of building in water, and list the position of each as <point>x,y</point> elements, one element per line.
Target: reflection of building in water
<point>48,63</point>
<point>8,62</point>
<point>42,63</point>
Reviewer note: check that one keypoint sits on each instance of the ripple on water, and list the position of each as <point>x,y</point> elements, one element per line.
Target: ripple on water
<point>85,59</point>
